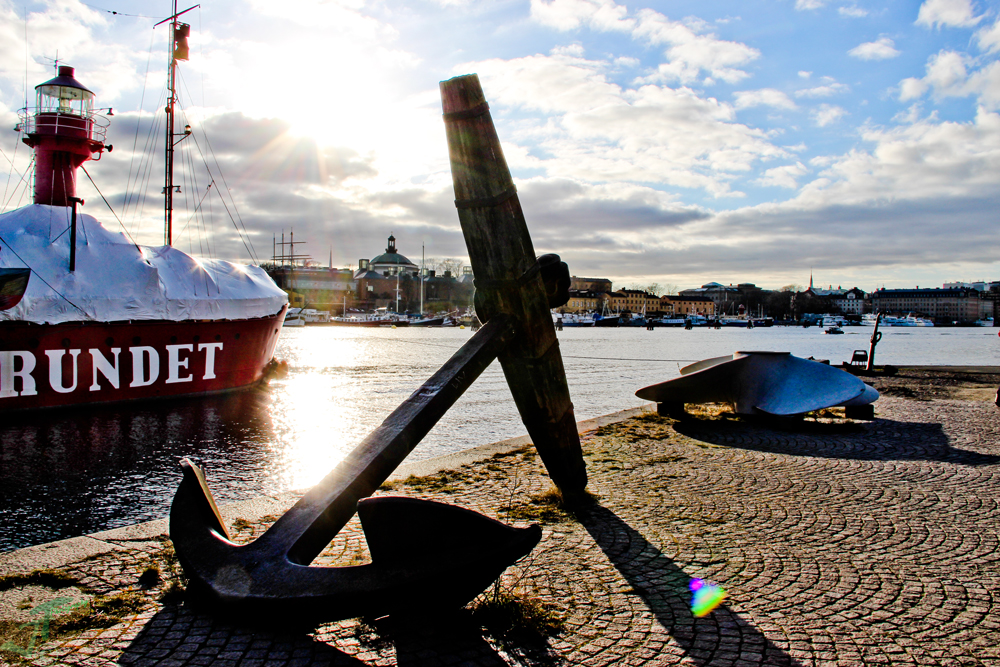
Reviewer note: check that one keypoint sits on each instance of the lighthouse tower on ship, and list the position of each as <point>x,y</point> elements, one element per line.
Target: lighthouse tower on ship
<point>65,132</point>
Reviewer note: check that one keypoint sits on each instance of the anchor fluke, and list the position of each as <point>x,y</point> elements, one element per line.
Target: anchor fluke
<point>425,556</point>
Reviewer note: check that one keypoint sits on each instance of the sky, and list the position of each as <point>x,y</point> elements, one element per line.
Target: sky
<point>674,142</point>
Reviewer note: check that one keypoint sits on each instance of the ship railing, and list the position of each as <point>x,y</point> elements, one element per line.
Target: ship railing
<point>89,125</point>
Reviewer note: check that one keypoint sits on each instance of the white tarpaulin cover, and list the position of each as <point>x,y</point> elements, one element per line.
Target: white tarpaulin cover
<point>114,281</point>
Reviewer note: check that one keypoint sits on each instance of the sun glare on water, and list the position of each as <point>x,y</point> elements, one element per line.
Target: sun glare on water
<point>316,418</point>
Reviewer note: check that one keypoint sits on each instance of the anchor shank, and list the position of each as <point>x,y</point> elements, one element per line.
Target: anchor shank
<point>508,280</point>
<point>305,530</point>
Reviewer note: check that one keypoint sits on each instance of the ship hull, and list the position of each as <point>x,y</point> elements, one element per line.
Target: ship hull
<point>85,363</point>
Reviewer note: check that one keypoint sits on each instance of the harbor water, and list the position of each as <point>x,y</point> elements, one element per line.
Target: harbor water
<point>69,473</point>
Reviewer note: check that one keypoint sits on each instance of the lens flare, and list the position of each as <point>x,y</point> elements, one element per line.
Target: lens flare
<point>705,597</point>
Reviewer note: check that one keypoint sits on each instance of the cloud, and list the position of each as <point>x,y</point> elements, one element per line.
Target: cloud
<point>828,90</point>
<point>853,12</point>
<point>989,38</point>
<point>691,49</point>
<point>769,97</point>
<point>783,177</point>
<point>809,4</point>
<point>565,15</point>
<point>948,13</point>
<point>882,49</point>
<point>948,75</point>
<point>827,114</point>
<point>690,53</point>
<point>595,131</point>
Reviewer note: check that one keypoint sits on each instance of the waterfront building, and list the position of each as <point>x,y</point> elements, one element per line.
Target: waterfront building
<point>729,298</point>
<point>675,305</point>
<point>633,301</point>
<point>583,301</point>
<point>389,263</point>
<point>943,305</point>
<point>839,300</point>
<point>320,288</point>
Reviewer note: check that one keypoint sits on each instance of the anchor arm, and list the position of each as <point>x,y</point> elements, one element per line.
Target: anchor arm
<point>295,539</point>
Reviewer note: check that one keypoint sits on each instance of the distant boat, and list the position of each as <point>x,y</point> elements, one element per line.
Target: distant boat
<point>294,318</point>
<point>910,320</point>
<point>578,319</point>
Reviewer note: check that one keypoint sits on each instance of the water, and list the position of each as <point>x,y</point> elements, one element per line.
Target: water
<point>71,473</point>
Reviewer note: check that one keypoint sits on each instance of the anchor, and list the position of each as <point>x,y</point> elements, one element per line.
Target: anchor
<point>425,555</point>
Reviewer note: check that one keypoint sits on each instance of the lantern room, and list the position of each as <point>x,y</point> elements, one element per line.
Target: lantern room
<point>65,132</point>
<point>64,94</point>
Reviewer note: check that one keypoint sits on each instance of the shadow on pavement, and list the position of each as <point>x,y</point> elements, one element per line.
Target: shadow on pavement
<point>878,440</point>
<point>188,634</point>
<point>720,638</point>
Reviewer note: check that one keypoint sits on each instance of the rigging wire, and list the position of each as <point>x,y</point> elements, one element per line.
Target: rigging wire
<point>24,176</point>
<point>117,13</point>
<point>63,296</point>
<point>243,234</point>
<point>125,229</point>
<point>138,124</point>
<point>13,170</point>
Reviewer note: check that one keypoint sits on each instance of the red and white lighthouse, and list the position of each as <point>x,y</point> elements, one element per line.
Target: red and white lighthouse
<point>65,132</point>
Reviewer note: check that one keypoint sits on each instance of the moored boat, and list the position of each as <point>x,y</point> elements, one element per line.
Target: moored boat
<point>101,318</point>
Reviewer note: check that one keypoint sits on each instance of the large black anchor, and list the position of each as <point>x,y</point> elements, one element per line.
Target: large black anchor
<point>424,554</point>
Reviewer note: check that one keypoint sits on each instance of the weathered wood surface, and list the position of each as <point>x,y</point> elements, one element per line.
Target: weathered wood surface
<point>507,281</point>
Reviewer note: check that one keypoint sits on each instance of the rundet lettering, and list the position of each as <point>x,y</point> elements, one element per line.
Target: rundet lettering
<point>18,376</point>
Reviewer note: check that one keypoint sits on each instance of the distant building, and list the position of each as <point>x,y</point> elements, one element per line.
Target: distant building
<point>598,285</point>
<point>583,301</point>
<point>682,306</point>
<point>943,305</point>
<point>729,298</point>
<point>633,301</point>
<point>846,301</point>
<point>389,263</point>
<point>979,286</point>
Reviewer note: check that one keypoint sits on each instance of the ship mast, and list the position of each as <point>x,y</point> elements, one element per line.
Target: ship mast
<point>178,50</point>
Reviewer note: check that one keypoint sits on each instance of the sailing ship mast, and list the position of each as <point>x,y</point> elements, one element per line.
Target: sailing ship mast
<point>178,48</point>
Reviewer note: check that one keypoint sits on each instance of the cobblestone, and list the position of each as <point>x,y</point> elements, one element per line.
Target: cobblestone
<point>839,543</point>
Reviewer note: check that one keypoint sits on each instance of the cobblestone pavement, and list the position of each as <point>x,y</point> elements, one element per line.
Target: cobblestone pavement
<point>839,543</point>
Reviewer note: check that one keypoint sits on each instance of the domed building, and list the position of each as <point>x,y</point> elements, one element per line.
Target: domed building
<point>389,263</point>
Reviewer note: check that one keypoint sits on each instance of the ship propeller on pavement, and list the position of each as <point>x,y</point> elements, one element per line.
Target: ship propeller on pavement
<point>424,554</point>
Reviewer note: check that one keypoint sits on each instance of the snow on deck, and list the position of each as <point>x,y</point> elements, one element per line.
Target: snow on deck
<point>114,280</point>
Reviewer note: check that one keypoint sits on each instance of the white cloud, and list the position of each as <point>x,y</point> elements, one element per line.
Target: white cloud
<point>989,38</point>
<point>827,114</point>
<point>691,49</point>
<point>809,4</point>
<point>603,15</point>
<point>828,90</point>
<point>917,161</point>
<point>881,49</point>
<point>804,74</point>
<point>597,132</point>
<point>783,177</point>
<point>769,97</point>
<point>853,12</point>
<point>950,13</point>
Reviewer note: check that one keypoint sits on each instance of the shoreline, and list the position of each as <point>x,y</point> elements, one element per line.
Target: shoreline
<point>834,539</point>
<point>60,553</point>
